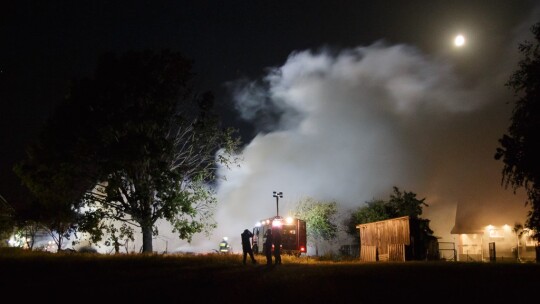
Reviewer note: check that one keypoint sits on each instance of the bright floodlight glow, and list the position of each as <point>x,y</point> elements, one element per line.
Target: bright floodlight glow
<point>459,40</point>
<point>277,223</point>
<point>289,220</point>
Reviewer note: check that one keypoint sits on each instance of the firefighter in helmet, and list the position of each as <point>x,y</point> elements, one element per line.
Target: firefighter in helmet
<point>268,246</point>
<point>224,246</point>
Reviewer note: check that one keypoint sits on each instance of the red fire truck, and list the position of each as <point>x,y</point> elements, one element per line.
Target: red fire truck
<point>293,234</point>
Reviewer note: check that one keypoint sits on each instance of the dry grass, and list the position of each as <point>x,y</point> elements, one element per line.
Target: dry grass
<point>214,277</point>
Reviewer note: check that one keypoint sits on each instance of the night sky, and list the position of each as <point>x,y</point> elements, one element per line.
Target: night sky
<point>338,100</point>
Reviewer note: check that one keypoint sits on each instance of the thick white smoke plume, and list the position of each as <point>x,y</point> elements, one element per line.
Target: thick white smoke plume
<point>353,124</point>
<point>350,124</point>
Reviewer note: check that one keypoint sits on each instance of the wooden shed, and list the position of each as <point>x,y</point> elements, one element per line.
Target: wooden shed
<point>396,239</point>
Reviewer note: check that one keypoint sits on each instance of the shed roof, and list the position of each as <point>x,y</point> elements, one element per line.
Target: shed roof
<point>388,220</point>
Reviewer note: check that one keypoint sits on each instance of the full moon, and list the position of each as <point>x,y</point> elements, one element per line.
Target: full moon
<point>459,40</point>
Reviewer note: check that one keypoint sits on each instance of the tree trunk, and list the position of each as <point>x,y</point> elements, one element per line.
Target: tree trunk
<point>147,238</point>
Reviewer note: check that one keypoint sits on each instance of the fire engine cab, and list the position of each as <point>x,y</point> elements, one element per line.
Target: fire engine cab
<point>293,234</point>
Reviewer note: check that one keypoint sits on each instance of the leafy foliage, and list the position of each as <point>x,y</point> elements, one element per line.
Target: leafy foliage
<point>399,204</point>
<point>27,231</point>
<point>320,218</point>
<point>7,222</point>
<point>519,149</point>
<point>133,144</point>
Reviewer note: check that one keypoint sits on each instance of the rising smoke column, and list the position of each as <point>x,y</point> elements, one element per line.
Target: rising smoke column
<point>354,123</point>
<point>350,124</point>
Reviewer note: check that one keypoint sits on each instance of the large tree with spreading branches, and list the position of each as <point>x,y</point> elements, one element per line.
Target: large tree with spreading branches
<point>519,148</point>
<point>320,217</point>
<point>132,145</point>
<point>400,203</point>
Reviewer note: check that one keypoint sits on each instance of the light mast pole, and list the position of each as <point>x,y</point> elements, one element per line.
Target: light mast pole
<point>277,195</point>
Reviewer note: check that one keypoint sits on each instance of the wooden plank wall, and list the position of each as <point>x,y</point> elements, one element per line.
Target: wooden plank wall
<point>368,253</point>
<point>396,252</point>
<point>388,237</point>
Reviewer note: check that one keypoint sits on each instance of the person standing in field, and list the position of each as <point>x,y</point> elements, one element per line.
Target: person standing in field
<point>246,246</point>
<point>277,246</point>
<point>268,246</point>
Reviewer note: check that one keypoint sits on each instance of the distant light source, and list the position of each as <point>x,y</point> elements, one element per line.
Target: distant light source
<point>459,40</point>
<point>277,223</point>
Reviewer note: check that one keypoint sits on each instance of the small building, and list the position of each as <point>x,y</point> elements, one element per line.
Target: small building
<point>482,236</point>
<point>397,239</point>
<point>499,242</point>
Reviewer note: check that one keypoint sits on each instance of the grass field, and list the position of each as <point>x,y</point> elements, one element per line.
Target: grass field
<point>224,279</point>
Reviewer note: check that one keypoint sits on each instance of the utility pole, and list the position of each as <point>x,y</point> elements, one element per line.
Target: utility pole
<point>277,195</point>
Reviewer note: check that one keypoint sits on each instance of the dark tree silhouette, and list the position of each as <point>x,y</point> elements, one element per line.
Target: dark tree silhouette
<point>519,148</point>
<point>7,222</point>
<point>134,144</point>
<point>399,204</point>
